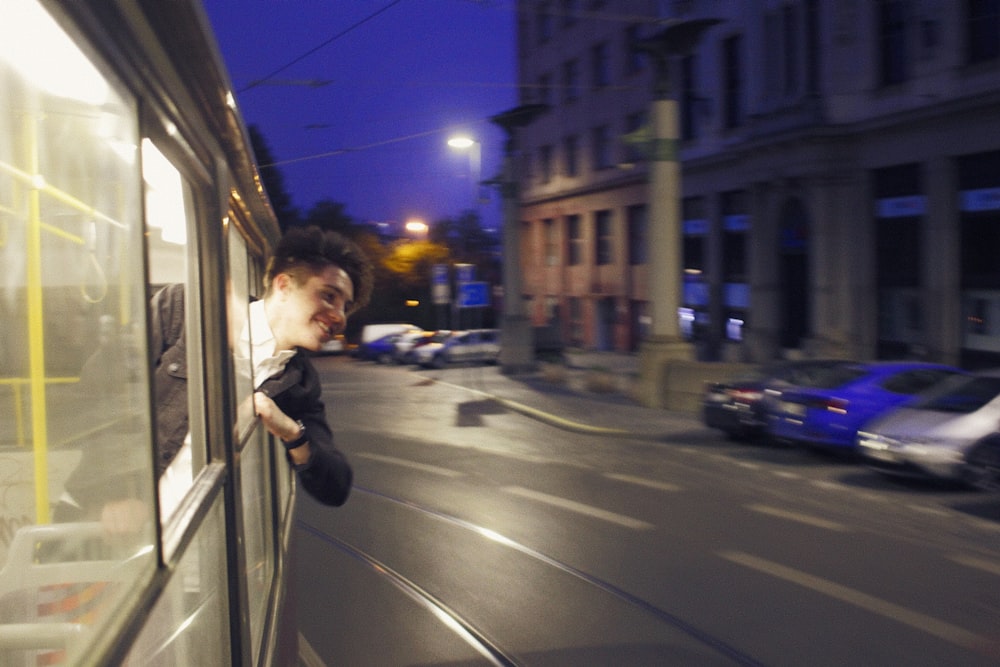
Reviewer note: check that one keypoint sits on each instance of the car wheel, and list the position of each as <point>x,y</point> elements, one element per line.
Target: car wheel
<point>384,358</point>
<point>982,465</point>
<point>439,361</point>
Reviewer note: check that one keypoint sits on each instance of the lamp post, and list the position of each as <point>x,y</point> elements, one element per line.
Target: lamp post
<point>475,150</point>
<point>664,342</point>
<point>517,343</point>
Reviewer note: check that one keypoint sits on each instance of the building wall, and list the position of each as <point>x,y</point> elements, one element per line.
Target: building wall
<point>840,176</point>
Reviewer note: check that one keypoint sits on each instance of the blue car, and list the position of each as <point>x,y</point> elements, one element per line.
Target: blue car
<point>382,349</point>
<point>830,412</point>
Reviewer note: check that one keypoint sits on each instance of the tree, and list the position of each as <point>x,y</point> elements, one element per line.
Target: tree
<point>273,180</point>
<point>329,214</point>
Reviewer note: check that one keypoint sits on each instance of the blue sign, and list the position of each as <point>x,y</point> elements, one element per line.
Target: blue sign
<point>473,295</point>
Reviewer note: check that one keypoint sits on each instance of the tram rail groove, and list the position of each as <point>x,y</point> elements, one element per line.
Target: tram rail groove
<point>476,638</point>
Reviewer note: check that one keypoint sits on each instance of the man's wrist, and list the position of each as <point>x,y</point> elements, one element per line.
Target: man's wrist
<point>299,439</point>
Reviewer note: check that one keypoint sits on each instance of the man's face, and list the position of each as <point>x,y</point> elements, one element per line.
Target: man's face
<point>312,313</point>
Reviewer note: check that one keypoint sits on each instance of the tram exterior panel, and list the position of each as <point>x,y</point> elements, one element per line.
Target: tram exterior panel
<point>125,166</point>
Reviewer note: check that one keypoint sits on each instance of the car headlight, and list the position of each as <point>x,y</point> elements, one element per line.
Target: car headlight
<point>942,450</point>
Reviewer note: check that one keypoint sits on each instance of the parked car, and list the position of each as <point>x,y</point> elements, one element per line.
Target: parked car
<point>736,406</point>
<point>936,435</point>
<point>475,346</point>
<point>406,345</point>
<point>336,345</point>
<point>982,463</point>
<point>380,350</point>
<point>829,413</point>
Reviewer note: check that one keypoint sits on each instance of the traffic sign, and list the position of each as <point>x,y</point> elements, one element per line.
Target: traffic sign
<point>473,295</point>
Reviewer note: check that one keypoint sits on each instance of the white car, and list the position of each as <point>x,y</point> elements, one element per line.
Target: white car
<point>475,346</point>
<point>932,437</point>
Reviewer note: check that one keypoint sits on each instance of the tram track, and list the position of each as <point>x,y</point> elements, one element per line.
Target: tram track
<point>475,637</point>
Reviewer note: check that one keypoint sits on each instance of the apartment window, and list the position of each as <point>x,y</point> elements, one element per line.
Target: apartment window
<point>600,66</point>
<point>604,241</point>
<point>574,239</point>
<point>688,99</point>
<point>893,55</point>
<point>571,154</point>
<point>575,321</point>
<point>551,243</point>
<point>601,146</point>
<point>569,9</point>
<point>634,59</point>
<point>982,31</point>
<point>571,80</point>
<point>736,226</point>
<point>695,231</point>
<point>545,163</point>
<point>543,22</point>
<point>732,81</point>
<point>544,93</point>
<point>638,234</point>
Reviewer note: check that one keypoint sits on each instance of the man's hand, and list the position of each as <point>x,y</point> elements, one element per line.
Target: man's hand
<point>280,425</point>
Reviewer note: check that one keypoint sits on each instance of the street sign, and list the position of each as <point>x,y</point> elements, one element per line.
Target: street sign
<point>440,289</point>
<point>473,295</point>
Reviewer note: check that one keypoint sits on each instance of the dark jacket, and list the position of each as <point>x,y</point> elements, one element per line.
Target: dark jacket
<point>327,476</point>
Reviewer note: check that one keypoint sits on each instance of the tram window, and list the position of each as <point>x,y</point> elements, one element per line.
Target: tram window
<point>73,374</point>
<point>169,213</point>
<point>256,458</point>
<point>188,625</point>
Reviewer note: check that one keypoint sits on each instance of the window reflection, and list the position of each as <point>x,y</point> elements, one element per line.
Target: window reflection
<point>76,484</point>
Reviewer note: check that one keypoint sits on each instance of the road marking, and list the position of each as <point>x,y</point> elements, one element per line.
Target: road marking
<point>580,508</point>
<point>991,566</point>
<point>785,474</point>
<point>914,619</point>
<point>924,509</point>
<point>435,470</point>
<point>642,481</point>
<point>800,518</point>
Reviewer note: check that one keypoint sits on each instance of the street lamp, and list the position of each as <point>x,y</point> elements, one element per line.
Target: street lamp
<point>664,342</point>
<point>475,150</point>
<point>417,228</point>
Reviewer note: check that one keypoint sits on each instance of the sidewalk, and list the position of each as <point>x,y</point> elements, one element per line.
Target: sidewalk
<point>590,394</point>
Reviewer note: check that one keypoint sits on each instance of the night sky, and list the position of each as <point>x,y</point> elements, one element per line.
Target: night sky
<point>404,75</point>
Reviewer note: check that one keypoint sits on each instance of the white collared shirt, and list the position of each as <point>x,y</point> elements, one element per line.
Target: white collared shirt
<point>266,362</point>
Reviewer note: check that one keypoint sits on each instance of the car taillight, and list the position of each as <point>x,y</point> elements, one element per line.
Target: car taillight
<point>837,405</point>
<point>746,395</point>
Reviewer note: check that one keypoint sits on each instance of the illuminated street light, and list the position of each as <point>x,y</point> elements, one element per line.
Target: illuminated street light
<point>475,149</point>
<point>416,227</point>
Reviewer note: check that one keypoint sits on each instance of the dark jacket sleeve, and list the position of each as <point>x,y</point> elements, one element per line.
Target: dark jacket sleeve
<point>327,476</point>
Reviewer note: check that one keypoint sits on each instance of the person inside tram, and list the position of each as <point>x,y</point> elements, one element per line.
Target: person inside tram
<point>314,280</point>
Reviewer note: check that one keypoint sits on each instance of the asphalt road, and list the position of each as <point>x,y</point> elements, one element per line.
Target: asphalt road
<point>480,533</point>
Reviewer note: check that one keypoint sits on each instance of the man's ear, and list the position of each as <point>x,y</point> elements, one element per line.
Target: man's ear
<point>282,281</point>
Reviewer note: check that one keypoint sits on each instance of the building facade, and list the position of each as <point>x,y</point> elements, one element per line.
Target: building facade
<point>841,176</point>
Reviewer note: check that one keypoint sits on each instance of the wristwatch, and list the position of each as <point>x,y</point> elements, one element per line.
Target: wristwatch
<point>299,439</point>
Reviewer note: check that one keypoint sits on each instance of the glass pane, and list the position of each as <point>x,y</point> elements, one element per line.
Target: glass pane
<point>76,470</point>
<point>169,213</point>
<point>190,623</point>
<point>239,301</point>
<point>258,529</point>
<point>255,458</point>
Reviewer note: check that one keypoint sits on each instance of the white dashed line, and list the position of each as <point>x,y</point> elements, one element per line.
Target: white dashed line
<point>932,626</point>
<point>642,481</point>
<point>991,566</point>
<point>579,508</point>
<point>798,517</point>
<point>423,467</point>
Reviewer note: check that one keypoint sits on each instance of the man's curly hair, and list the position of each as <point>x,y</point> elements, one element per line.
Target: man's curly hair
<point>303,252</point>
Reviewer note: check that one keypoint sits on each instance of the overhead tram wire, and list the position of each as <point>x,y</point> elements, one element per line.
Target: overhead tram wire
<point>316,48</point>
